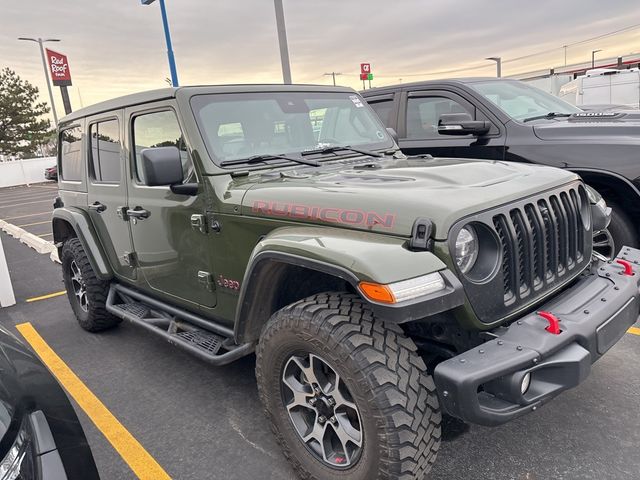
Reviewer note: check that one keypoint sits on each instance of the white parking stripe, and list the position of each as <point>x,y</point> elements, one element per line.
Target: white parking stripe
<point>48,212</point>
<point>48,200</point>
<point>24,195</point>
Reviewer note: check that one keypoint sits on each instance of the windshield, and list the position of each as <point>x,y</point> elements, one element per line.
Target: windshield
<point>240,126</point>
<point>521,101</point>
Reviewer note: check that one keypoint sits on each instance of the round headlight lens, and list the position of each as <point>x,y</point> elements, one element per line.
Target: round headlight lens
<point>466,248</point>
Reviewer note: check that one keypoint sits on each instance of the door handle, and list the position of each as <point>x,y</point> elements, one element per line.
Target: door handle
<point>98,207</point>
<point>139,213</point>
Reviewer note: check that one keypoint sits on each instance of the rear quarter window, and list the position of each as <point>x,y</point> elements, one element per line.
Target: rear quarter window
<point>71,154</point>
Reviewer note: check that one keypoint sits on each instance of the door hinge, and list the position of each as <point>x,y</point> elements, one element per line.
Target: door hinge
<point>199,222</point>
<point>206,280</point>
<point>122,213</point>
<point>130,258</point>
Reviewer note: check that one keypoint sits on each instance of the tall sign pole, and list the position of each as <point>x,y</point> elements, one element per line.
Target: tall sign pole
<point>282,39</point>
<point>40,41</point>
<point>60,76</point>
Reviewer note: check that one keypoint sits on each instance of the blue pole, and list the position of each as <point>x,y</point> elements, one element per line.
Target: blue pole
<point>167,36</point>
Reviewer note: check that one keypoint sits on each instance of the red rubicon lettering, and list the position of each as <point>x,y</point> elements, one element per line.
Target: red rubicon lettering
<point>324,214</point>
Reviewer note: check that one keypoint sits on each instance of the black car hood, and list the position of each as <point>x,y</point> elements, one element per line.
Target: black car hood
<point>624,126</point>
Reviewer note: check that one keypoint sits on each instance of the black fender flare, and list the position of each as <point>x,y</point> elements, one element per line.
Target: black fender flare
<point>66,218</point>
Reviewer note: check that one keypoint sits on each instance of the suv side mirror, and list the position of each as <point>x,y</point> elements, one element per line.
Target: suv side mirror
<point>161,166</point>
<point>462,124</point>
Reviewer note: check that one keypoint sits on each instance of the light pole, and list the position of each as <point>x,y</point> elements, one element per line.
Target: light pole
<point>40,41</point>
<point>282,40</point>
<point>333,74</point>
<point>167,37</point>
<point>498,61</point>
<point>593,57</point>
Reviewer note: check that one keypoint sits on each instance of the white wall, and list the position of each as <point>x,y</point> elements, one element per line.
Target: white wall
<point>21,172</point>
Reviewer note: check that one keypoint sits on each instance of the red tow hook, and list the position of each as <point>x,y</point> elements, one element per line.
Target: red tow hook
<point>628,269</point>
<point>554,323</point>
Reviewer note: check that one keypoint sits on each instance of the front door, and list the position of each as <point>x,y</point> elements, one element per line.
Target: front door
<point>418,127</point>
<point>107,190</point>
<point>171,255</point>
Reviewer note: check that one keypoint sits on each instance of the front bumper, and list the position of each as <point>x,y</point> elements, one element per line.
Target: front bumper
<point>482,385</point>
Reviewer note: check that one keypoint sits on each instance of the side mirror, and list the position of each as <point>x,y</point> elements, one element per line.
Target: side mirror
<point>461,124</point>
<point>393,134</point>
<point>161,166</point>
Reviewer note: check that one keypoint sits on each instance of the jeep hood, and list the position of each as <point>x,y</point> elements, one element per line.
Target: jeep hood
<point>593,126</point>
<point>389,195</point>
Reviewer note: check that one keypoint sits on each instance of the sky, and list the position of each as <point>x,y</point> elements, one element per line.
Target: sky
<point>117,47</point>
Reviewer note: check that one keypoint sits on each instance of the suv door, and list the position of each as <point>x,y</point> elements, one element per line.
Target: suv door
<point>107,189</point>
<point>418,127</point>
<point>171,254</point>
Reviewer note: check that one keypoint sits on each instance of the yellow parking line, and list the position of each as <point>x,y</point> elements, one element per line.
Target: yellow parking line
<point>132,452</point>
<point>44,297</point>
<point>634,330</point>
<point>29,215</point>
<point>35,223</point>
<point>45,235</point>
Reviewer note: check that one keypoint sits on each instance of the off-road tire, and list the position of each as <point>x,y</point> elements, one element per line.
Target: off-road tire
<point>622,229</point>
<point>380,366</point>
<point>96,318</point>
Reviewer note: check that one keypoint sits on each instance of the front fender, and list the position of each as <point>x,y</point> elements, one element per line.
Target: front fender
<point>351,256</point>
<point>66,218</point>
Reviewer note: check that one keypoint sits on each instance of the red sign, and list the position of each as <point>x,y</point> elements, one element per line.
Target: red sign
<point>59,68</point>
<point>365,68</point>
<point>364,76</point>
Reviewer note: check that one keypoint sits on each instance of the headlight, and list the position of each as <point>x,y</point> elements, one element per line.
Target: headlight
<point>466,248</point>
<point>11,467</point>
<point>404,290</point>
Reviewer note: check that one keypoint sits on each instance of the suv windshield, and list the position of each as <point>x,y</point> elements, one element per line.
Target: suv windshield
<point>521,101</point>
<point>238,127</point>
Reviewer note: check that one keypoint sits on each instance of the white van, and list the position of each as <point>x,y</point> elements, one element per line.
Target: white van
<point>603,86</point>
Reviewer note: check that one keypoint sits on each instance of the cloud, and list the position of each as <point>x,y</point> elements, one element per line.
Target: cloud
<point>117,47</point>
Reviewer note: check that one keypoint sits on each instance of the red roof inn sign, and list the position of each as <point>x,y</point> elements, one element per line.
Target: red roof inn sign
<point>59,68</point>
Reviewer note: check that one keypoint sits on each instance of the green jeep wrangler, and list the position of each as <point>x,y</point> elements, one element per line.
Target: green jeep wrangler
<point>378,291</point>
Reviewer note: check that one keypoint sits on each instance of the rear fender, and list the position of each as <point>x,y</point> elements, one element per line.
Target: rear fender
<point>69,222</point>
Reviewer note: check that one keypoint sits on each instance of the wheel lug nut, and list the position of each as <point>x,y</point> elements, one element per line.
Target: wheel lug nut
<point>322,419</point>
<point>332,402</point>
<point>333,420</point>
<point>312,401</point>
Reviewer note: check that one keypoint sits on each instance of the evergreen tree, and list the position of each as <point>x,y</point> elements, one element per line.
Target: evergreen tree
<point>22,128</point>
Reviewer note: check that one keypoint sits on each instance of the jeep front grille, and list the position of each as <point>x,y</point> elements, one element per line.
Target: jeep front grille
<point>543,244</point>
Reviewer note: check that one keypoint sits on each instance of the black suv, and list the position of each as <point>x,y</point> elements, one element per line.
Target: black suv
<point>501,119</point>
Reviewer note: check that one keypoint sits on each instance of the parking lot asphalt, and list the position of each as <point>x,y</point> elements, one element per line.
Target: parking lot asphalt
<point>200,422</point>
<point>29,207</point>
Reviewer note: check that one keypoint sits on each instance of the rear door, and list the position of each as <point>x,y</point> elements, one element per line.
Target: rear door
<point>385,107</point>
<point>172,256</point>
<point>107,189</point>
<point>418,127</point>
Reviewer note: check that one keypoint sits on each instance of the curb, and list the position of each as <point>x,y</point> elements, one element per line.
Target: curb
<point>40,245</point>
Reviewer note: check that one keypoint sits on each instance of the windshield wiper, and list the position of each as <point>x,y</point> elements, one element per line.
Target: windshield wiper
<point>266,157</point>
<point>548,115</point>
<point>339,148</point>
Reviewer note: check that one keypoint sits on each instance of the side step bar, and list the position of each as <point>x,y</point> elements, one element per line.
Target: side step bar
<point>183,329</point>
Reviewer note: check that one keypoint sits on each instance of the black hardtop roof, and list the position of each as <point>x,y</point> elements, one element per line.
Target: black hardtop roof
<point>429,83</point>
<point>165,93</point>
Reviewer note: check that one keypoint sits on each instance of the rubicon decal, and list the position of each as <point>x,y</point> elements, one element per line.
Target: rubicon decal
<point>324,214</point>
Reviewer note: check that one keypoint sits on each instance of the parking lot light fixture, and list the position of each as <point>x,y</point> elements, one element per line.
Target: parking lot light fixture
<point>167,37</point>
<point>40,41</point>
<point>593,57</point>
<point>498,61</point>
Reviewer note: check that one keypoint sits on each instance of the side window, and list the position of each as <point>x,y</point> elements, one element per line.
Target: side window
<point>423,114</point>
<point>71,154</point>
<point>106,150</point>
<point>160,129</point>
<point>383,109</point>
